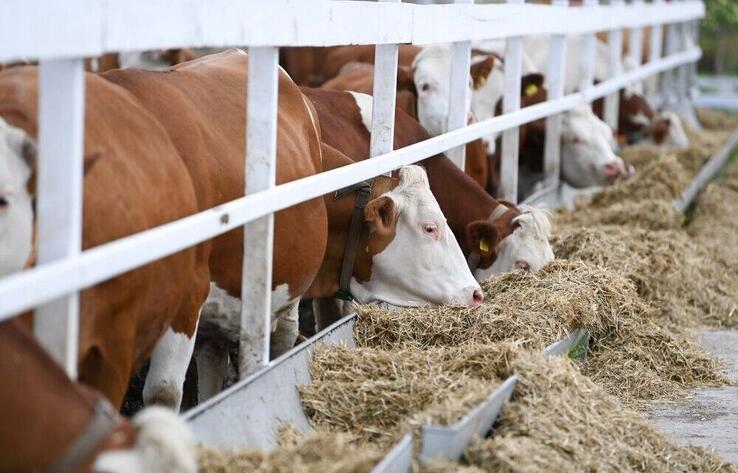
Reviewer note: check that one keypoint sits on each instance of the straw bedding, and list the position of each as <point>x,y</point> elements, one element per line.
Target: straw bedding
<point>559,420</point>
<point>716,120</point>
<point>380,395</point>
<point>321,452</point>
<point>674,273</point>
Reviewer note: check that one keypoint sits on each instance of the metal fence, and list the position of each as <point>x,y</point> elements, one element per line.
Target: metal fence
<point>71,30</point>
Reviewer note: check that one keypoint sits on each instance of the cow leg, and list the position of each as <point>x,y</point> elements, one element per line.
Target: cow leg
<point>327,311</point>
<point>212,367</point>
<point>285,331</point>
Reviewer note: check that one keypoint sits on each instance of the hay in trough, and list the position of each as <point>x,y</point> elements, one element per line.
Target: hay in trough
<point>714,222</point>
<point>321,452</point>
<point>672,272</point>
<point>380,395</point>
<point>447,466</point>
<point>559,420</point>
<point>634,354</point>
<point>662,179</point>
<point>648,213</point>
<point>716,120</point>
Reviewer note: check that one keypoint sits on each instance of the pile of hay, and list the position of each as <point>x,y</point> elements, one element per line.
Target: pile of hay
<point>321,452</point>
<point>653,214</point>
<point>634,354</point>
<point>714,221</point>
<point>716,120</point>
<point>380,395</point>
<point>671,271</point>
<point>559,420</point>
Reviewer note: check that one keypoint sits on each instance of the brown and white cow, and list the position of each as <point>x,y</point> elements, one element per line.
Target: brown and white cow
<point>501,236</point>
<point>53,424</point>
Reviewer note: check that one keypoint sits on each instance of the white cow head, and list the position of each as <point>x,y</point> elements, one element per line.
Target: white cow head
<point>422,261</point>
<point>527,248</point>
<point>17,153</point>
<point>431,76</point>
<point>667,130</point>
<point>587,150</point>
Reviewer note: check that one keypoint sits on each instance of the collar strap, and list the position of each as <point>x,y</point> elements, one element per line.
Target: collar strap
<point>363,192</point>
<point>104,420</point>
<point>474,257</point>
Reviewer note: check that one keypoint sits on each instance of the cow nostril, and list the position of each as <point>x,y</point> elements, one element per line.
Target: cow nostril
<point>477,296</point>
<point>522,265</point>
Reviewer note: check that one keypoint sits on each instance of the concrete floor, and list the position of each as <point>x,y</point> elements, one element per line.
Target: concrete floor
<point>710,417</point>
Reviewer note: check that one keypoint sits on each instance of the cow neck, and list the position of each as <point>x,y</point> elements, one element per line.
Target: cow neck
<point>358,252</point>
<point>363,192</point>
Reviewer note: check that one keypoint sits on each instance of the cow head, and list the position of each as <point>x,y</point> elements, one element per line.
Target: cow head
<point>416,258</point>
<point>17,161</point>
<point>587,150</point>
<point>431,77</point>
<point>635,115</point>
<point>667,130</point>
<point>516,241</point>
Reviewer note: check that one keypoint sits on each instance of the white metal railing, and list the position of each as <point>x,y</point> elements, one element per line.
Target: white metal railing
<point>77,28</point>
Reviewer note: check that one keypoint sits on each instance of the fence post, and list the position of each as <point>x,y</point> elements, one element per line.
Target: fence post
<point>654,53</point>
<point>635,42</point>
<point>589,54</point>
<point>511,103</point>
<point>60,197</point>
<point>260,168</point>
<point>459,93</point>
<point>669,78</point>
<point>556,80</point>
<point>615,63</point>
<point>384,97</point>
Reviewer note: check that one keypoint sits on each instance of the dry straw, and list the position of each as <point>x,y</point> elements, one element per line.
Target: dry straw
<point>559,420</point>
<point>321,452</point>
<point>635,354</point>
<point>380,395</point>
<point>716,120</point>
<point>679,277</point>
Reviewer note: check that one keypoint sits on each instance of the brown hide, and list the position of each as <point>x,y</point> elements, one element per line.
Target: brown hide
<point>359,77</point>
<point>461,199</point>
<point>137,182</point>
<point>201,105</point>
<point>342,55</point>
<point>45,411</point>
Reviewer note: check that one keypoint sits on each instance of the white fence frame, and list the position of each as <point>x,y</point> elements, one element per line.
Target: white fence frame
<point>74,29</point>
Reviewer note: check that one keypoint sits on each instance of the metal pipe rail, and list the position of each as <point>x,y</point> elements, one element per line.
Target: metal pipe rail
<point>77,28</point>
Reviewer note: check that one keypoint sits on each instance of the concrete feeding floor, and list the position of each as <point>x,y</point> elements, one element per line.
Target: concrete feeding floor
<point>710,417</point>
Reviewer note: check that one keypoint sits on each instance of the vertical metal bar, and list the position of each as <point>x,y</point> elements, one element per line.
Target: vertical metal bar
<point>615,63</point>
<point>60,197</point>
<point>589,54</point>
<point>556,80</point>
<point>635,43</point>
<point>261,159</point>
<point>459,93</point>
<point>657,46</point>
<point>510,103</point>
<point>669,77</point>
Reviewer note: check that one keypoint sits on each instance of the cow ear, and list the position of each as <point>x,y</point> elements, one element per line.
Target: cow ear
<point>482,237</point>
<point>481,70</point>
<point>382,214</point>
<point>531,84</point>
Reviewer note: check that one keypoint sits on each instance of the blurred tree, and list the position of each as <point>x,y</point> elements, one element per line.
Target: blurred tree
<point>719,28</point>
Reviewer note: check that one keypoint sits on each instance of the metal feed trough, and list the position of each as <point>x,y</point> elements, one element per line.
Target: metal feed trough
<point>74,29</point>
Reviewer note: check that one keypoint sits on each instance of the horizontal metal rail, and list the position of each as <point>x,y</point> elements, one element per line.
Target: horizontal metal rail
<point>77,28</point>
<point>25,290</point>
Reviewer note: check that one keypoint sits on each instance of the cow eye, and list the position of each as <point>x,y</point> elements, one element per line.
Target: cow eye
<point>430,229</point>
<point>425,87</point>
<point>4,202</point>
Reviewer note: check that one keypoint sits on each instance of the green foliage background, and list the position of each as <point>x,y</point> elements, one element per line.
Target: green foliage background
<point>719,37</point>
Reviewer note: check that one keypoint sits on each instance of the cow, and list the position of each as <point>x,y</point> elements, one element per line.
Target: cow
<point>340,56</point>
<point>201,106</point>
<point>128,157</point>
<point>51,423</point>
<point>482,225</point>
<point>636,118</point>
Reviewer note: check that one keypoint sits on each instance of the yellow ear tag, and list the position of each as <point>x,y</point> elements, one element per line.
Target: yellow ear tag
<point>532,89</point>
<point>484,245</point>
<point>481,81</point>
